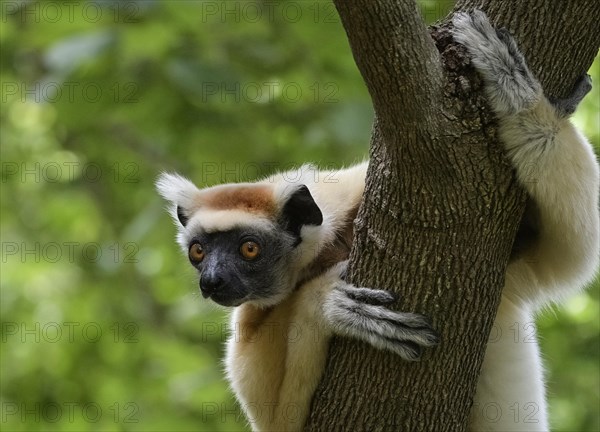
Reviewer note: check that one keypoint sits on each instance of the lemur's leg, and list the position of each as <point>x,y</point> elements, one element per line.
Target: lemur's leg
<point>510,392</point>
<point>552,160</point>
<point>361,313</point>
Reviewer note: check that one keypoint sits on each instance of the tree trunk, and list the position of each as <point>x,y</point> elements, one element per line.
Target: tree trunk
<point>441,207</point>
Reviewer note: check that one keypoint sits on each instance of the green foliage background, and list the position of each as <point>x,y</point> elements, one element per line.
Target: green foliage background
<point>97,99</point>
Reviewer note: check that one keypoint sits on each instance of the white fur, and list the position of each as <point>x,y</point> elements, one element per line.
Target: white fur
<point>177,190</point>
<point>510,390</point>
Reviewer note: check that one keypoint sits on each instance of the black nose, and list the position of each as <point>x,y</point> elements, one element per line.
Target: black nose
<point>210,283</point>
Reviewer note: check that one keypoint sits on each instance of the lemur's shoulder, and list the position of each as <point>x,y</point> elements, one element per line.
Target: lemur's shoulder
<point>336,191</point>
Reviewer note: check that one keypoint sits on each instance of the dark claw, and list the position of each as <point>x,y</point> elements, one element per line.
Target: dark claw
<point>568,105</point>
<point>434,337</point>
<point>582,87</point>
<point>372,297</point>
<point>586,80</point>
<point>503,34</point>
<point>390,297</point>
<point>415,350</point>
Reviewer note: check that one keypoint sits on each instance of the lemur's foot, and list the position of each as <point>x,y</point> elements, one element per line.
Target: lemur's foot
<point>510,85</point>
<point>568,105</point>
<point>360,313</point>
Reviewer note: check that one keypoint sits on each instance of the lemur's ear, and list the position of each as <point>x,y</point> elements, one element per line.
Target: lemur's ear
<point>181,215</point>
<point>300,209</point>
<point>179,191</point>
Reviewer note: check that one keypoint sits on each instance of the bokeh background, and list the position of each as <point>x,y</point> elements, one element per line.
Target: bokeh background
<point>102,326</point>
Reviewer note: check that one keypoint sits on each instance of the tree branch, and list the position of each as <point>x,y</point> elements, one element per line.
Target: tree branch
<point>392,47</point>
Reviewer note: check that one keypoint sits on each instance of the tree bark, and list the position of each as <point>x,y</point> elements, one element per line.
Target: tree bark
<point>441,207</point>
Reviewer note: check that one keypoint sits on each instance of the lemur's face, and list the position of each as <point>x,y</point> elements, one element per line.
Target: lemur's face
<point>247,241</point>
<point>243,264</point>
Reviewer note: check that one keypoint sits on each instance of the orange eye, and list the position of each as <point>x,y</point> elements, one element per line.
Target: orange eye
<point>196,253</point>
<point>249,250</point>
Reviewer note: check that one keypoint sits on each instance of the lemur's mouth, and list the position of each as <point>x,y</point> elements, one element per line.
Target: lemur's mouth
<point>229,303</point>
<point>225,299</point>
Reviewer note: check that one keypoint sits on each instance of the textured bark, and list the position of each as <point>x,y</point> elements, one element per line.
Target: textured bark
<point>441,207</point>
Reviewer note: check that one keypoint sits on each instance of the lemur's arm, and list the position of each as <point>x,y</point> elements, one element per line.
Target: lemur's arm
<point>281,372</point>
<point>336,307</point>
<point>553,161</point>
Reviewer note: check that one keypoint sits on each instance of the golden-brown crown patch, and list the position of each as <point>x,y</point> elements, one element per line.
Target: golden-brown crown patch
<point>253,198</point>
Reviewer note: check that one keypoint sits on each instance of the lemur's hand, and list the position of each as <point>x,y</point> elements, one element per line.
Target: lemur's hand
<point>361,313</point>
